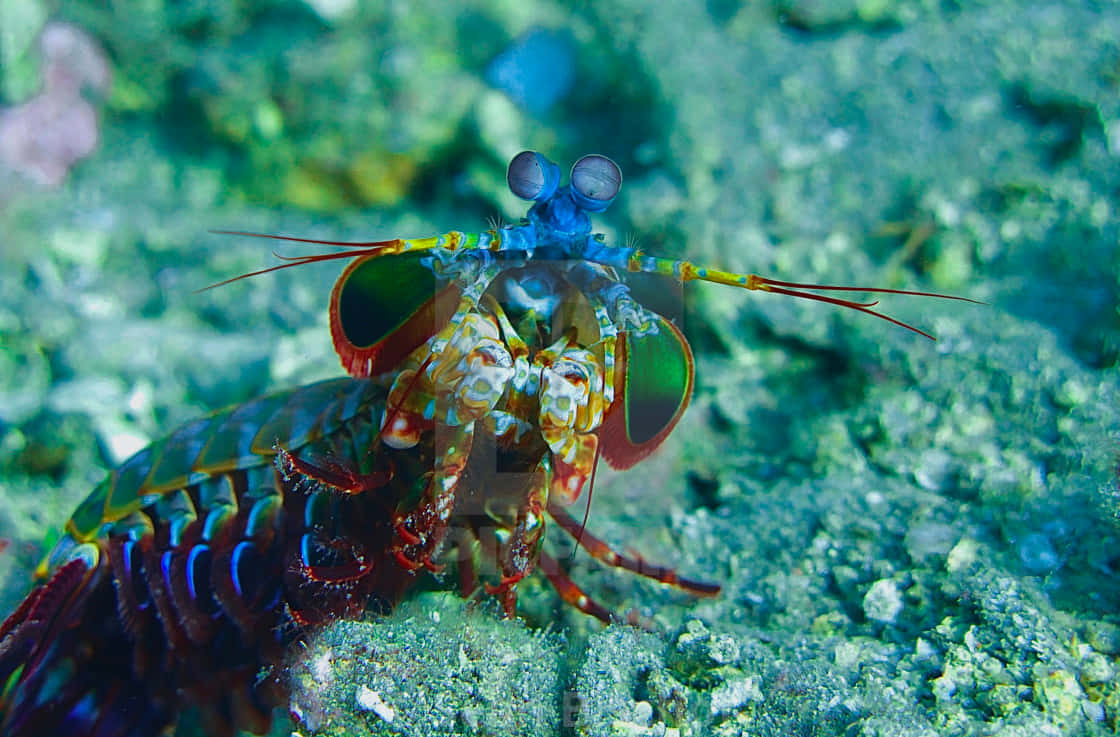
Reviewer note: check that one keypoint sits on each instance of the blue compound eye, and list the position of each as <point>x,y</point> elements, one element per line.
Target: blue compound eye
<point>595,182</point>
<point>532,177</point>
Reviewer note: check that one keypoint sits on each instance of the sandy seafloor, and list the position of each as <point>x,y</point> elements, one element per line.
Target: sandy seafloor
<point>913,537</point>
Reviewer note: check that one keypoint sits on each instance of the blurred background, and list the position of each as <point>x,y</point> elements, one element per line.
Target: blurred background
<point>968,148</point>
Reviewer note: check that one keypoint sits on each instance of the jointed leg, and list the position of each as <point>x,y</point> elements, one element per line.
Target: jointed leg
<point>422,530</point>
<point>571,593</point>
<point>600,550</point>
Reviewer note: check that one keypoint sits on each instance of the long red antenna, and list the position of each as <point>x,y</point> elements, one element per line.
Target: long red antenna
<point>789,289</point>
<point>368,248</point>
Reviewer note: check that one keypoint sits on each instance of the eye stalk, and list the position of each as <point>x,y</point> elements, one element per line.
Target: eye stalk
<point>532,177</point>
<point>595,182</point>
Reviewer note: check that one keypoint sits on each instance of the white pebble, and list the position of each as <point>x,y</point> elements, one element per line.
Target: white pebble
<point>883,601</point>
<point>370,700</point>
<point>321,666</point>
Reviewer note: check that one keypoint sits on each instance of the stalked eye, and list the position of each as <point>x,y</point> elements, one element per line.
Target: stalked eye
<point>595,182</point>
<point>532,177</point>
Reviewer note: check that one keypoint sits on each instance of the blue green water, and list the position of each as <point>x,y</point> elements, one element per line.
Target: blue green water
<point>913,537</point>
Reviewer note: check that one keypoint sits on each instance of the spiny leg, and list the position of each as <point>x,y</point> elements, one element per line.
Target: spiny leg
<point>518,553</point>
<point>331,474</point>
<point>600,550</point>
<point>423,529</point>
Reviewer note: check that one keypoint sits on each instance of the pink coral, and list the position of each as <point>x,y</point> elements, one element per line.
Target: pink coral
<point>46,135</point>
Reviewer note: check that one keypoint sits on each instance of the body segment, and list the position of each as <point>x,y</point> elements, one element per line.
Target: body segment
<point>197,572</point>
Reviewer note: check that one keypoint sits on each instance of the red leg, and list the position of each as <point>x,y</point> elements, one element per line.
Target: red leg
<point>423,530</point>
<point>518,556</point>
<point>357,568</point>
<point>571,593</point>
<point>601,551</point>
<point>333,475</point>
